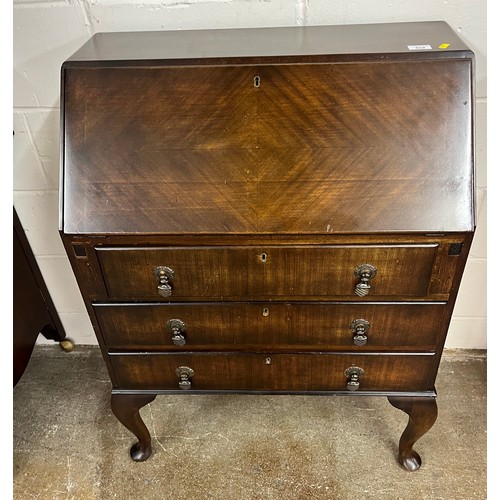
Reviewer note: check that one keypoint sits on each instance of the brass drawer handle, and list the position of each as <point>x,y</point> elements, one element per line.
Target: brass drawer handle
<point>185,374</point>
<point>177,329</point>
<point>353,374</point>
<point>359,328</point>
<point>163,274</point>
<point>364,273</point>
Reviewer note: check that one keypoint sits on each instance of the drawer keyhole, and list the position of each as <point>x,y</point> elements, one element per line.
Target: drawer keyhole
<point>263,257</point>
<point>256,81</point>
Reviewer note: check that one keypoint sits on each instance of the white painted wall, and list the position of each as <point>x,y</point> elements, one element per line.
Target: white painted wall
<point>45,33</point>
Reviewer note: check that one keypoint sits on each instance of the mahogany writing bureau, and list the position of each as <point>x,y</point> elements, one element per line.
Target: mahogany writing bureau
<point>270,211</point>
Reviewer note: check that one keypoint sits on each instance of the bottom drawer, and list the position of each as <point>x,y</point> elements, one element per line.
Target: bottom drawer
<point>272,372</point>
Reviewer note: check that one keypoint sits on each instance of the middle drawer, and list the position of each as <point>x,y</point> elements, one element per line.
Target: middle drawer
<point>174,326</point>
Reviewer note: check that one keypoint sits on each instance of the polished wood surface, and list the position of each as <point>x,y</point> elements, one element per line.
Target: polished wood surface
<point>223,46</point>
<point>126,410</point>
<point>446,271</point>
<point>264,325</point>
<point>285,372</point>
<point>34,312</point>
<point>243,272</point>
<point>422,413</point>
<point>263,166</point>
<point>313,149</point>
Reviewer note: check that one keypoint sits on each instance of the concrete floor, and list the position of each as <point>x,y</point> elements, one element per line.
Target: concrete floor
<point>68,445</point>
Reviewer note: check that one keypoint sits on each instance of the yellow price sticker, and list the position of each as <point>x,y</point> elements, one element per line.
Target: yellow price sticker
<point>444,45</point>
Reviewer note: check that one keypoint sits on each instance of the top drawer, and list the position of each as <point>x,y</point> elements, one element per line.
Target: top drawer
<point>239,273</point>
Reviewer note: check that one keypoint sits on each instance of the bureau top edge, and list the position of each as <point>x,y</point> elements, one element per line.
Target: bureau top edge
<point>433,39</point>
<point>232,238</point>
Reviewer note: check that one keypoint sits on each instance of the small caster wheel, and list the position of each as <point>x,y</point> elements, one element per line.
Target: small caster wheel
<point>67,345</point>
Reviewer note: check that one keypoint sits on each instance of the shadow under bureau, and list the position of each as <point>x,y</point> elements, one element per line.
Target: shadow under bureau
<point>270,211</point>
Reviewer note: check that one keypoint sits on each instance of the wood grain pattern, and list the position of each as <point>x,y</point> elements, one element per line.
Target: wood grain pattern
<point>263,166</point>
<point>264,325</point>
<point>240,272</point>
<point>286,372</point>
<point>318,148</point>
<point>444,273</point>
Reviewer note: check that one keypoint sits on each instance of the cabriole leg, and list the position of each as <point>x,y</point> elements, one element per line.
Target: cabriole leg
<point>126,409</point>
<point>422,412</point>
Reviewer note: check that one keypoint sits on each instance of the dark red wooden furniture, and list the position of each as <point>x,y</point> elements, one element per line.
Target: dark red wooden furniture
<point>34,312</point>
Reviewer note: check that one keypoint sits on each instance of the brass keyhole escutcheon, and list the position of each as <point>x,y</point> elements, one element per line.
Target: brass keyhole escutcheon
<point>268,361</point>
<point>265,311</point>
<point>263,257</point>
<point>256,81</point>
